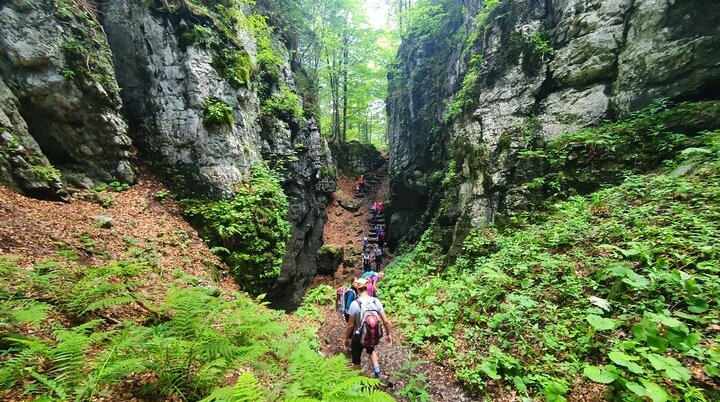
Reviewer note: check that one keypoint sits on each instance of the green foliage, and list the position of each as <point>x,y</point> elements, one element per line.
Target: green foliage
<point>581,161</point>
<point>284,104</point>
<point>322,295</point>
<point>466,97</point>
<point>115,186</point>
<point>217,112</point>
<point>86,51</point>
<point>424,19</point>
<point>619,287</point>
<point>45,173</point>
<point>415,390</point>
<point>251,226</point>
<point>162,196</point>
<point>235,66</point>
<point>183,348</point>
<point>542,45</point>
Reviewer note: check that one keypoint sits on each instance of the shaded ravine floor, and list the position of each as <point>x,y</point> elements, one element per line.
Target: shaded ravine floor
<point>346,229</point>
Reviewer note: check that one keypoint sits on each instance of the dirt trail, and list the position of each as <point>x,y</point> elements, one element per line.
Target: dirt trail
<point>346,229</point>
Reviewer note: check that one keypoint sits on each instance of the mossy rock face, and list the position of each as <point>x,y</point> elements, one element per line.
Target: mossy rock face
<point>356,158</point>
<point>329,257</point>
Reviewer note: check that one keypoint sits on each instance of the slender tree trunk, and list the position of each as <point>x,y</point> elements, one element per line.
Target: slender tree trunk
<point>345,91</point>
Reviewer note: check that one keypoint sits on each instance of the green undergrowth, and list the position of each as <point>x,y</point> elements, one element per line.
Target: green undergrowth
<point>583,161</point>
<point>217,113</point>
<point>249,230</point>
<point>618,288</point>
<point>69,331</point>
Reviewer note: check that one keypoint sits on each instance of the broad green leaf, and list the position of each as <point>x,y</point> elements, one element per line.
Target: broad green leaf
<point>697,304</point>
<point>655,392</point>
<point>600,323</point>
<point>490,369</point>
<point>672,368</point>
<point>624,360</point>
<point>554,391</point>
<point>602,303</point>
<point>599,374</point>
<point>638,389</point>
<point>664,320</point>
<point>520,384</point>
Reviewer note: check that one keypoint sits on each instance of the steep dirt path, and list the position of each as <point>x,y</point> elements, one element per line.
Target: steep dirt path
<point>346,229</point>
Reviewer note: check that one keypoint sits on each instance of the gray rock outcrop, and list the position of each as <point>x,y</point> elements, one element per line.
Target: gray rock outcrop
<point>532,71</point>
<point>61,113</point>
<point>166,86</point>
<point>356,158</point>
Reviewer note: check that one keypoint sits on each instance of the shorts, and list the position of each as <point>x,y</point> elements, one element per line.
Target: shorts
<point>357,349</point>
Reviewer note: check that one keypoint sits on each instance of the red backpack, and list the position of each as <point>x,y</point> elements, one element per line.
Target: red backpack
<point>370,330</point>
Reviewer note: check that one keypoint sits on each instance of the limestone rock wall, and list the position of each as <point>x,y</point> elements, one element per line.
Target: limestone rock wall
<point>166,84</point>
<point>356,158</point>
<point>59,103</point>
<point>65,123</point>
<point>540,69</point>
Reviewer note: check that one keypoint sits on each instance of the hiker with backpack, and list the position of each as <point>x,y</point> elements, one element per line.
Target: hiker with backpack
<point>365,327</point>
<point>366,260</point>
<point>378,207</point>
<point>381,237</point>
<point>345,297</point>
<point>373,278</point>
<point>378,257</point>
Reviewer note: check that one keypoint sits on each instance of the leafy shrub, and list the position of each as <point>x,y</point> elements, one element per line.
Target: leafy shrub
<point>284,104</point>
<point>217,112</point>
<point>251,227</point>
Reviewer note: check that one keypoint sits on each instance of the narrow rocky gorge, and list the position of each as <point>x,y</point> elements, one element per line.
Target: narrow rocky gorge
<point>526,73</point>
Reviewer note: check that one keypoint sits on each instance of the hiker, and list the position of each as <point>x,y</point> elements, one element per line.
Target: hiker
<point>366,260</point>
<point>357,187</point>
<point>381,236</point>
<point>378,257</point>
<point>365,242</point>
<point>345,296</point>
<point>378,207</point>
<point>374,212</point>
<point>373,278</point>
<point>364,329</point>
<point>361,182</point>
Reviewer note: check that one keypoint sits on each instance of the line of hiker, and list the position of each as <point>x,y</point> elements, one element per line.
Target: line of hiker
<point>359,304</point>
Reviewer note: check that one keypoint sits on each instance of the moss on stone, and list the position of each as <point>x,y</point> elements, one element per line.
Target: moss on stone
<point>234,66</point>
<point>45,173</point>
<point>217,112</point>
<point>86,51</point>
<point>329,256</point>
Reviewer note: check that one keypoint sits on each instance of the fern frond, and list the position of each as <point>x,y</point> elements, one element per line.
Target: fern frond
<point>246,389</point>
<point>30,353</point>
<point>55,387</point>
<point>26,311</point>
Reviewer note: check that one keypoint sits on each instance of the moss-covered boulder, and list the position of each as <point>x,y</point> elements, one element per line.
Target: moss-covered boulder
<point>329,257</point>
<point>356,158</point>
